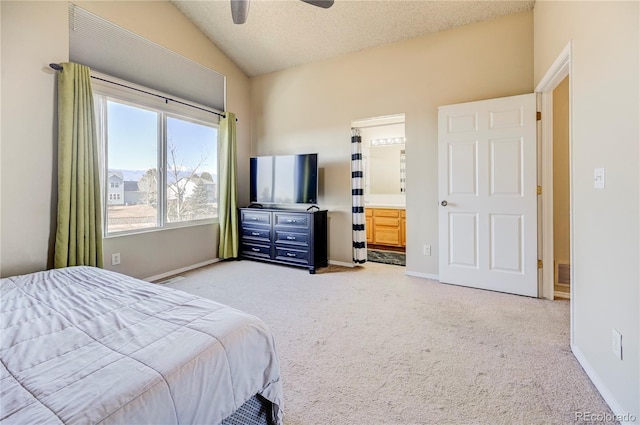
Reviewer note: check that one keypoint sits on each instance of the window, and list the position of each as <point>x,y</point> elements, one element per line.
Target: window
<point>160,161</point>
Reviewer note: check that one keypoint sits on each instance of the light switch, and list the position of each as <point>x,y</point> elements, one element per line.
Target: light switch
<point>598,178</point>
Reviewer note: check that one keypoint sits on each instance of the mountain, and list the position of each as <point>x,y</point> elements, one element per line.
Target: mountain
<point>136,175</point>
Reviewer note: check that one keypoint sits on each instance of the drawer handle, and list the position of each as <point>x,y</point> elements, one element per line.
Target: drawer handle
<point>291,220</point>
<point>255,233</point>
<point>291,238</point>
<point>255,249</point>
<point>291,254</point>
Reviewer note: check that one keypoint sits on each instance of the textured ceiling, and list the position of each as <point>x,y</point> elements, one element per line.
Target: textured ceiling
<point>280,34</point>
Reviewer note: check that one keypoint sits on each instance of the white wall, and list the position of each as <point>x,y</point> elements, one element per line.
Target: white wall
<point>36,33</point>
<point>310,108</point>
<point>605,132</point>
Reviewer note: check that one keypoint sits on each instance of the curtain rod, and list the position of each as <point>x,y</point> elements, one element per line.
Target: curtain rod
<point>58,67</point>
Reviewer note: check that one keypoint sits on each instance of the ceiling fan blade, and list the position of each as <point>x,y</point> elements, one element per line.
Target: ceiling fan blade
<point>325,4</point>
<point>239,11</point>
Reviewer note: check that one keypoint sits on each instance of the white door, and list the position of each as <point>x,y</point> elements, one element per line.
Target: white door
<point>488,194</point>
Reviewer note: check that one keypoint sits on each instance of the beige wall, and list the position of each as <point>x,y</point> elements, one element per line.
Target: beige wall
<point>310,108</point>
<point>561,204</point>
<point>33,34</point>
<point>605,131</point>
<point>36,33</point>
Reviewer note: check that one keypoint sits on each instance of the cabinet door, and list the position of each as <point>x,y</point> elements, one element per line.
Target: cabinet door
<point>386,227</point>
<point>387,235</point>
<point>403,228</point>
<point>369,228</point>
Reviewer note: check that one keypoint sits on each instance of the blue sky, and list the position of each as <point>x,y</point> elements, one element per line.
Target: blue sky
<point>133,136</point>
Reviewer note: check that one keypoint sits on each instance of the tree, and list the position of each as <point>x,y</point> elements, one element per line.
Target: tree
<point>199,199</point>
<point>181,177</point>
<point>205,175</point>
<point>148,185</point>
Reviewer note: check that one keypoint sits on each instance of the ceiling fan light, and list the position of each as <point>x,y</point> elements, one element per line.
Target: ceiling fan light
<point>239,11</point>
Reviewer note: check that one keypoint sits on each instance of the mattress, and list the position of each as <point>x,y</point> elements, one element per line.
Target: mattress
<point>84,345</point>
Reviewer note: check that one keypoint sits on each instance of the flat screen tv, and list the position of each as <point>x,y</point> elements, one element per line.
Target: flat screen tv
<point>284,179</point>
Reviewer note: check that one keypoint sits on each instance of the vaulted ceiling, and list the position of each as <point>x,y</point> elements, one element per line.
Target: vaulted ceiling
<point>279,34</point>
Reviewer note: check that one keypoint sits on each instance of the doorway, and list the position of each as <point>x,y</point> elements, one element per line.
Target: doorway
<point>555,106</point>
<point>561,193</point>
<point>384,172</point>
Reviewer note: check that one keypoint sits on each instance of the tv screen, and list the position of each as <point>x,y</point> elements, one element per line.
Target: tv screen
<point>284,179</point>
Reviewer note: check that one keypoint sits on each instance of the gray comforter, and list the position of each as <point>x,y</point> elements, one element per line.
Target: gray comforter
<point>83,345</point>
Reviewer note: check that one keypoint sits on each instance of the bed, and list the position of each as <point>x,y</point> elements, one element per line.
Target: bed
<point>82,345</point>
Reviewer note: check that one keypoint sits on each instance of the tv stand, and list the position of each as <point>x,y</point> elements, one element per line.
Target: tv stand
<point>283,236</point>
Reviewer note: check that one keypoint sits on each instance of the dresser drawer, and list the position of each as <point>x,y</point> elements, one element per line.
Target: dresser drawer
<point>256,250</point>
<point>292,255</point>
<point>291,220</point>
<point>256,233</point>
<point>292,238</point>
<point>255,217</point>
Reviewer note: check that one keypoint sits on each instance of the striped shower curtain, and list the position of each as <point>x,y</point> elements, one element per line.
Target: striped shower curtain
<point>357,194</point>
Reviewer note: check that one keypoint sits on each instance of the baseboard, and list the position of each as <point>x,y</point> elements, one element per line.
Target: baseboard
<point>341,263</point>
<point>624,417</point>
<point>423,275</point>
<point>180,270</point>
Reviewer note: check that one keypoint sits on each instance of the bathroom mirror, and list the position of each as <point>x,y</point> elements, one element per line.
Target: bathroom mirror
<point>384,159</point>
<point>386,168</point>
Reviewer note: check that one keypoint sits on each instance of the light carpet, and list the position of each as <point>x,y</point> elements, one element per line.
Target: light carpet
<point>371,346</point>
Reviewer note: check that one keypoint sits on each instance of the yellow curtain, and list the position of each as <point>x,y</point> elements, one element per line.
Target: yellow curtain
<point>79,224</point>
<point>228,188</point>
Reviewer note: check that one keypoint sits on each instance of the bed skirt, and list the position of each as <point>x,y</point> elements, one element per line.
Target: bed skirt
<point>255,411</point>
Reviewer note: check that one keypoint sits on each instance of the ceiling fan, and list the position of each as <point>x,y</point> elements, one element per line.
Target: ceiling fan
<point>240,8</point>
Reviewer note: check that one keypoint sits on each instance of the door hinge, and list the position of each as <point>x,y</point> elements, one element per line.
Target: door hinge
<point>539,190</point>
<point>539,264</point>
<point>538,116</point>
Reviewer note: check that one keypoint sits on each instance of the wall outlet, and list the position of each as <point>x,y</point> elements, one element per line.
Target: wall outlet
<point>426,250</point>
<point>598,178</point>
<point>616,343</point>
<point>115,259</point>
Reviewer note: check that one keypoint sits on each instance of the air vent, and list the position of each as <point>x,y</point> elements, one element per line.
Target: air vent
<point>563,273</point>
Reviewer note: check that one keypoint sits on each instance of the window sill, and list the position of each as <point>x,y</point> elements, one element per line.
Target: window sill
<point>172,226</point>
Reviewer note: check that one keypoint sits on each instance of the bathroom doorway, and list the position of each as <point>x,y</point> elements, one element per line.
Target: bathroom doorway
<point>384,169</point>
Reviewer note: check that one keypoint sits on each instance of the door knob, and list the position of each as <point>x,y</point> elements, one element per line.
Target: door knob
<point>443,203</point>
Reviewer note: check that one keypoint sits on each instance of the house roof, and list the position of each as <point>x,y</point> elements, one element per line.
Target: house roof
<point>117,174</point>
<point>286,33</point>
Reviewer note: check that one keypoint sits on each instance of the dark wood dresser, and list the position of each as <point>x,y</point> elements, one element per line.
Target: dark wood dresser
<point>291,237</point>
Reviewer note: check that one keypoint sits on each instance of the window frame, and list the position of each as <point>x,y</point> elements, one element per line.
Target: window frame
<point>103,92</point>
